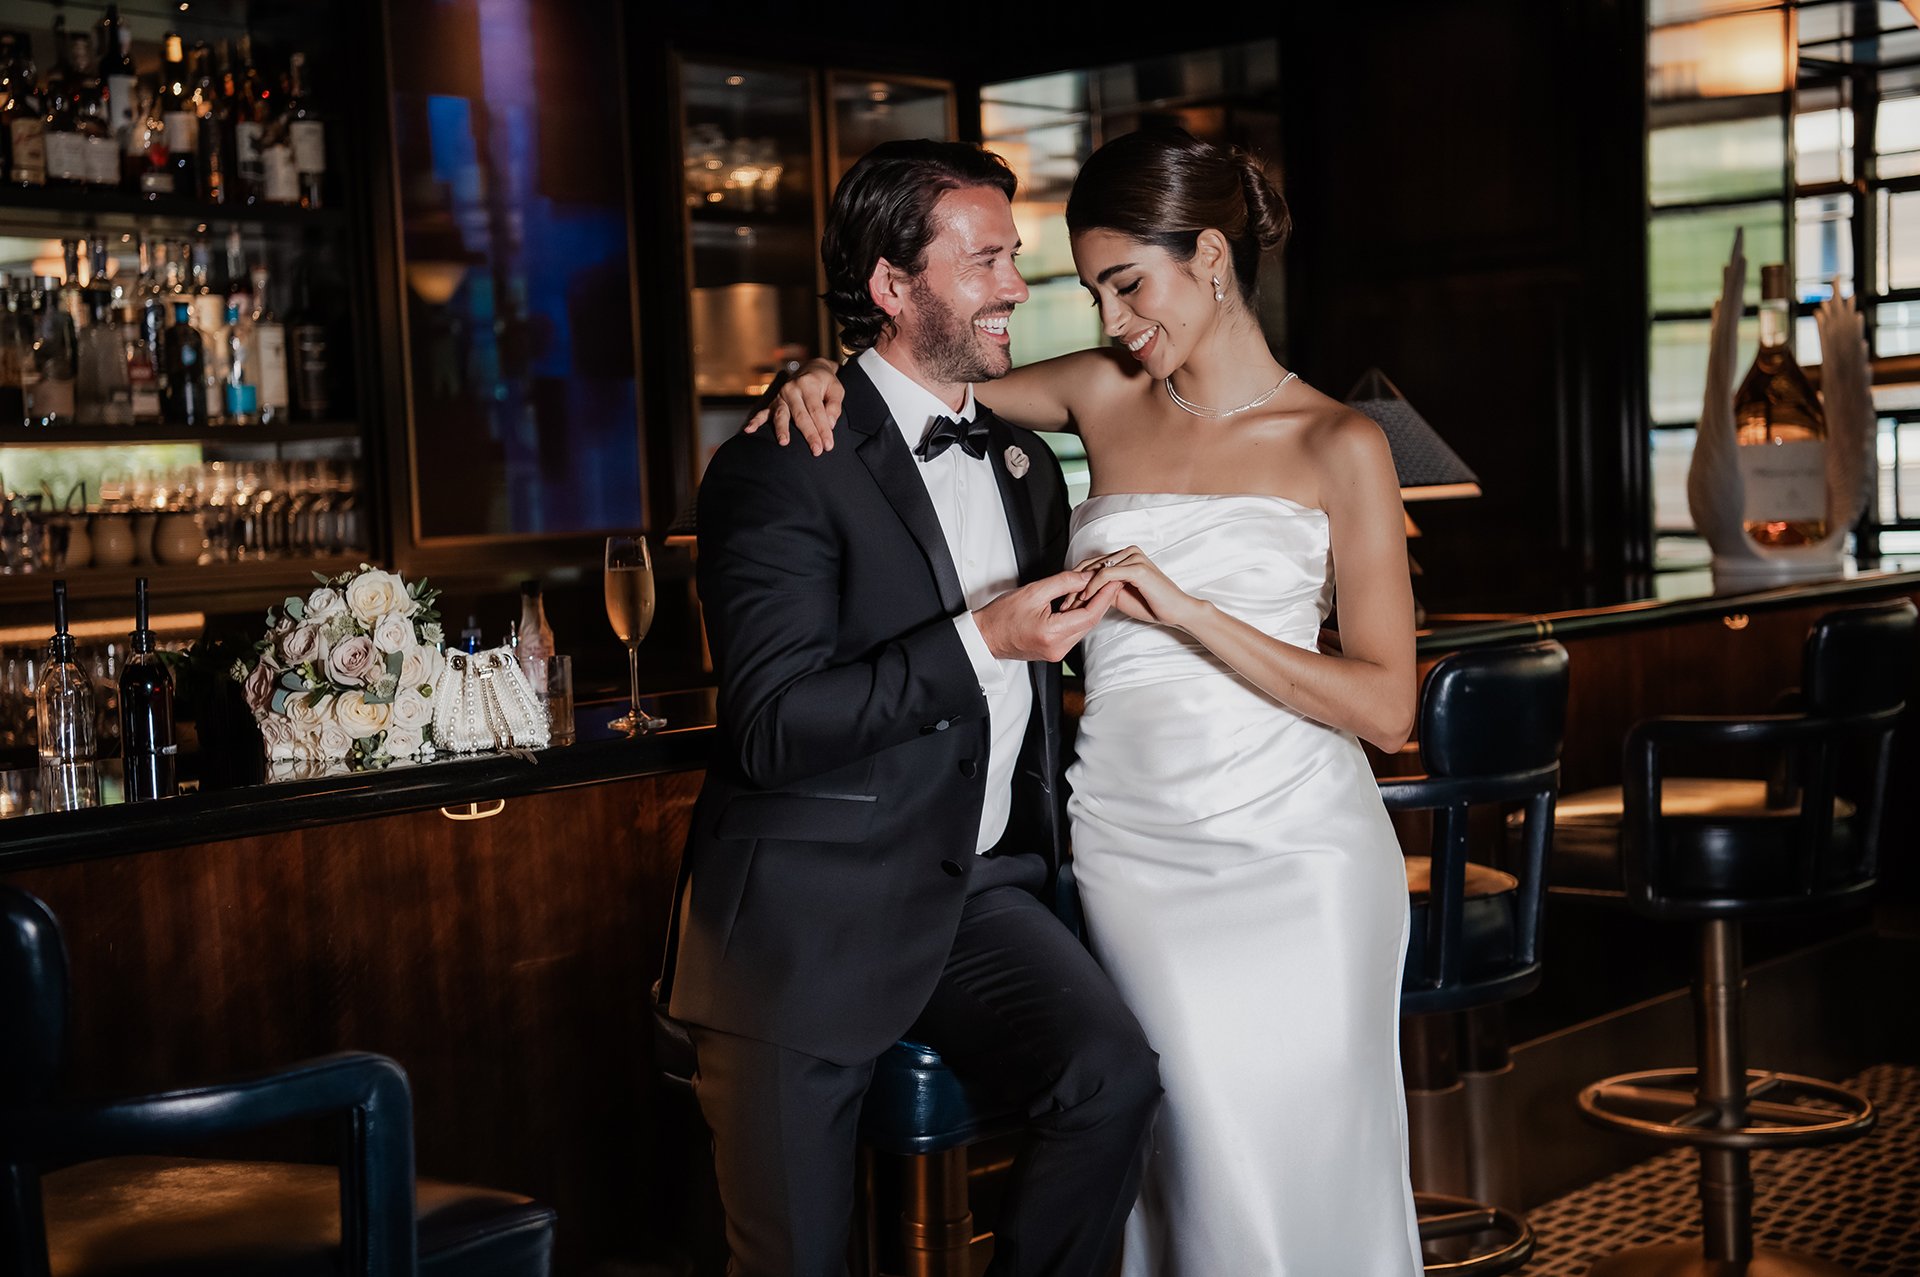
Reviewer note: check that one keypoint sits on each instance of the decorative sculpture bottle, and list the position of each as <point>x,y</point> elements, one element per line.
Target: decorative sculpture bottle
<point>1781,432</point>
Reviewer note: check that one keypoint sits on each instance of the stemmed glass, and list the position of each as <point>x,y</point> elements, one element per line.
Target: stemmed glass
<point>629,587</point>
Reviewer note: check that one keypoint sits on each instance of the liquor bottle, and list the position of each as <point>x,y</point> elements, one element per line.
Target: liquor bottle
<point>306,133</point>
<point>269,346</point>
<point>16,358</point>
<point>143,374</point>
<point>182,126</point>
<point>210,317</point>
<point>147,748</point>
<point>146,166</point>
<point>103,394</point>
<point>24,332</point>
<point>209,107</point>
<point>25,120</point>
<point>1781,432</point>
<point>279,178</point>
<point>66,147</point>
<point>113,41</point>
<point>63,700</point>
<point>183,388</point>
<point>242,394</point>
<point>54,356</point>
<point>92,117</point>
<point>536,636</point>
<point>307,351</point>
<point>247,113</point>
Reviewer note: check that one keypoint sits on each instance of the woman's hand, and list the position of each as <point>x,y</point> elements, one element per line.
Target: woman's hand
<point>809,401</point>
<point>1146,593</point>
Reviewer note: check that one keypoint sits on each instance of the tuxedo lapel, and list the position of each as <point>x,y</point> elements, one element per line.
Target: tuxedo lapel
<point>1014,497</point>
<point>887,458</point>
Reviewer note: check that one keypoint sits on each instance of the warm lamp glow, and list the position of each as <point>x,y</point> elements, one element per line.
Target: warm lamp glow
<point>436,282</point>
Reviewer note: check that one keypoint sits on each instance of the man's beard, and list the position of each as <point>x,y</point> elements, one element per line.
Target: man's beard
<point>951,349</point>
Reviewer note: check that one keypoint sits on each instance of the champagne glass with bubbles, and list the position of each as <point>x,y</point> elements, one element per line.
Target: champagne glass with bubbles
<point>629,586</point>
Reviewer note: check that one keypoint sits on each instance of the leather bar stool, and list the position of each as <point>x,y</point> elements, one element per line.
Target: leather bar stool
<point>916,1108</point>
<point>1802,841</point>
<point>1491,722</point>
<point>97,1189</point>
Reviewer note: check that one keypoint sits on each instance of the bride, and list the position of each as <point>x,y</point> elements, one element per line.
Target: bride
<point>1241,881</point>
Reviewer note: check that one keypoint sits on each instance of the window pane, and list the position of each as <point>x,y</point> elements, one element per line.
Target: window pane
<point>1689,163</point>
<point>1806,341</point>
<point>1733,56</point>
<point>1896,137</point>
<point>1823,145</point>
<point>1678,366</point>
<point>1018,105</point>
<point>1687,253</point>
<point>1672,454</point>
<point>1899,239</point>
<point>1823,246</point>
<point>1056,319</point>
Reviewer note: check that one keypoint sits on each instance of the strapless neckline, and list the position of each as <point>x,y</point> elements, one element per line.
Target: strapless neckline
<point>1176,498</point>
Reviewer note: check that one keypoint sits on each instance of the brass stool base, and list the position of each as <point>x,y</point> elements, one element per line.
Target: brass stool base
<point>1442,1216</point>
<point>1666,1104</point>
<point>1685,1259</point>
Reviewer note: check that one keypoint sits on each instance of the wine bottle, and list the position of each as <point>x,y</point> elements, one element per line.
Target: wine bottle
<point>143,374</point>
<point>1781,432</point>
<point>210,113</point>
<point>114,43</point>
<point>92,118</point>
<point>24,118</point>
<point>536,636</point>
<point>65,146</point>
<point>103,392</point>
<point>269,346</point>
<point>307,351</point>
<point>306,134</point>
<point>51,402</point>
<point>63,699</point>
<point>183,388</point>
<point>247,109</point>
<point>181,125</point>
<point>147,747</point>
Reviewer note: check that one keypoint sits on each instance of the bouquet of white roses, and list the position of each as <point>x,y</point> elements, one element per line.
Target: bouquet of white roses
<point>348,671</point>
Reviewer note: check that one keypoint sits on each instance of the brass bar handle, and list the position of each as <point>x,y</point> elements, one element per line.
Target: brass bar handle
<point>475,811</point>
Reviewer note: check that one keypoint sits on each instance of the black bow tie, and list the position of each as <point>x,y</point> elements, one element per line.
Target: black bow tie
<point>946,432</point>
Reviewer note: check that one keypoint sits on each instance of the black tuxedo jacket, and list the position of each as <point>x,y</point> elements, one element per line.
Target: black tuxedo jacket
<point>834,837</point>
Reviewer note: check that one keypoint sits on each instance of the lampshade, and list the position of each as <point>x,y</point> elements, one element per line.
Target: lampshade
<point>1427,468</point>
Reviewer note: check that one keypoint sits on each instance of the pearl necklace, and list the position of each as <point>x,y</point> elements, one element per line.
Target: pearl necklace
<point>1216,413</point>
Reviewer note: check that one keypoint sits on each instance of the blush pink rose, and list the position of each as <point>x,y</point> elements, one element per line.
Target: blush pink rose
<point>353,661</point>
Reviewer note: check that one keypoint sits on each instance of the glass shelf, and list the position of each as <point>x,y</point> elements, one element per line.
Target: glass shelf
<point>95,436</point>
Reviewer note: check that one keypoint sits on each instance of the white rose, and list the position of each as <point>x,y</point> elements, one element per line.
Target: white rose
<point>307,714</point>
<point>353,661</point>
<point>278,734</point>
<point>403,742</point>
<point>411,709</point>
<point>303,643</point>
<point>359,718</point>
<point>374,593</point>
<point>394,633</point>
<point>324,604</point>
<point>420,666</point>
<point>335,740</point>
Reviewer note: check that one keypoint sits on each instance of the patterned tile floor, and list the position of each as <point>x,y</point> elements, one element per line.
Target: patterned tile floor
<point>1856,1204</point>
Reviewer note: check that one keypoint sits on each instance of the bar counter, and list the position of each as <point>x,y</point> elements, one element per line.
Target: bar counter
<point>494,924</point>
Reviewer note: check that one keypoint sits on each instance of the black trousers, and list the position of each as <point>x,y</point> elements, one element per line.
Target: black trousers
<point>1021,1007</point>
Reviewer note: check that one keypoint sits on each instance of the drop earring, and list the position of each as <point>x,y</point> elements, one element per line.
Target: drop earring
<point>1219,293</point>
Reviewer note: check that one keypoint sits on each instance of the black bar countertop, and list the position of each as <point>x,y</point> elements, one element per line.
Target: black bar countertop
<point>30,836</point>
<point>310,795</point>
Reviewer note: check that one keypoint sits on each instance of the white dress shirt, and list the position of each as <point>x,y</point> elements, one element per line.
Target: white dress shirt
<point>966,496</point>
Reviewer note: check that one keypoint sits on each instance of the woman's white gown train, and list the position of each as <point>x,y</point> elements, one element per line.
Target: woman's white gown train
<point>1244,889</point>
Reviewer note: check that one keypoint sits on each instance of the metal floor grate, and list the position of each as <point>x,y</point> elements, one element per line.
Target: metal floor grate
<point>1855,1204</point>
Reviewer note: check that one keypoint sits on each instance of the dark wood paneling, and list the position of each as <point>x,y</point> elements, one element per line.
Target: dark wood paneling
<point>504,962</point>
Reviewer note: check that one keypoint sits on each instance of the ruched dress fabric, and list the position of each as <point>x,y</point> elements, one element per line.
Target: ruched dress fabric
<point>1244,889</point>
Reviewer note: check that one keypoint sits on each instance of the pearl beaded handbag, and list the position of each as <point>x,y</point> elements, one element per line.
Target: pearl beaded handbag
<point>484,702</point>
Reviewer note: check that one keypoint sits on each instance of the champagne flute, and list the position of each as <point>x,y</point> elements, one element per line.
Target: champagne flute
<point>629,587</point>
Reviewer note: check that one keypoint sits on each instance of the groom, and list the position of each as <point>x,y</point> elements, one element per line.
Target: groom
<point>883,815</point>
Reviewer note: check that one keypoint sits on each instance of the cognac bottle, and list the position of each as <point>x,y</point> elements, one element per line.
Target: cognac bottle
<point>1781,432</point>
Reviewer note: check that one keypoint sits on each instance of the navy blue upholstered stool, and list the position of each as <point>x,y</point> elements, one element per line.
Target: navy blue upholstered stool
<point>916,1108</point>
<point>97,1189</point>
<point>1802,840</point>
<point>1491,722</point>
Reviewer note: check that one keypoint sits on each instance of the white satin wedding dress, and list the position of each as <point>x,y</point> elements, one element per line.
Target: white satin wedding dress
<point>1244,889</point>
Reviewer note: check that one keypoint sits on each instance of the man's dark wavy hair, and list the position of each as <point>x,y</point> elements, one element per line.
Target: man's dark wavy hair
<point>883,207</point>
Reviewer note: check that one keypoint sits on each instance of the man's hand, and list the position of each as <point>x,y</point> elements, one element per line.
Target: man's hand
<point>1024,625</point>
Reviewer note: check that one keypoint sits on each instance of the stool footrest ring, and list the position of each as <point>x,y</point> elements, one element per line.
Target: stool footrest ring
<point>1442,1217</point>
<point>1779,1110</point>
